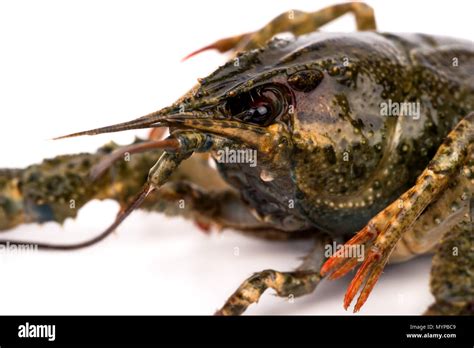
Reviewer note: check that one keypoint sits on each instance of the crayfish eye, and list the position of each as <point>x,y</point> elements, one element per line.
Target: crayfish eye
<point>260,106</point>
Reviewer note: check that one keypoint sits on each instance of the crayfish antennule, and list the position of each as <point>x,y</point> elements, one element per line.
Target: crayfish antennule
<point>106,162</point>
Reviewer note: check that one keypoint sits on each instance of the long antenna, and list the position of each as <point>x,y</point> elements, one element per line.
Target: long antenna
<point>137,201</point>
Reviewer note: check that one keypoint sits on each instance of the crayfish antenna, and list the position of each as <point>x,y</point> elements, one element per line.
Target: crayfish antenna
<point>146,121</point>
<point>122,215</point>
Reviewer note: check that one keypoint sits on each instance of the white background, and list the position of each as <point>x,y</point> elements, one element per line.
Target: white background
<point>67,66</point>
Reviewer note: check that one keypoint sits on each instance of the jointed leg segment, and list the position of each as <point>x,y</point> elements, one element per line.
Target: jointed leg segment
<point>297,23</point>
<point>300,282</point>
<point>384,231</point>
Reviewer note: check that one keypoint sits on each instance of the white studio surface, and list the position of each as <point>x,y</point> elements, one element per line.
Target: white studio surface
<point>71,66</point>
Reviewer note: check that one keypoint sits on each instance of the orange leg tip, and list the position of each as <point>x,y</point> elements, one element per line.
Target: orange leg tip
<point>330,264</point>
<point>326,266</point>
<point>346,304</point>
<point>358,306</point>
<point>344,269</point>
<point>369,286</point>
<point>349,296</point>
<point>351,292</point>
<point>355,284</point>
<point>361,300</point>
<point>324,270</point>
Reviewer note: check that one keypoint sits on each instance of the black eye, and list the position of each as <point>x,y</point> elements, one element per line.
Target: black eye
<point>260,106</point>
